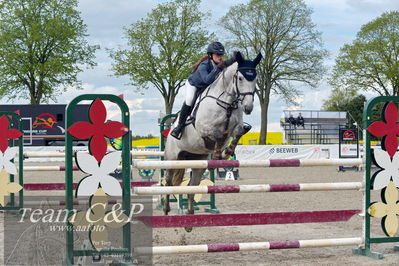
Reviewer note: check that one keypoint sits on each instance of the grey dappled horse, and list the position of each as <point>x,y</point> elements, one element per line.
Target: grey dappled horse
<point>218,117</point>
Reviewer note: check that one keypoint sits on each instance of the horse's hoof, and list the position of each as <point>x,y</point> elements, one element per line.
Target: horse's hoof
<point>229,152</point>
<point>217,157</point>
<point>189,229</point>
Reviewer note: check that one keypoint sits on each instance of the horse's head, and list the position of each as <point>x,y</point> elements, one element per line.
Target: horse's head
<point>244,81</point>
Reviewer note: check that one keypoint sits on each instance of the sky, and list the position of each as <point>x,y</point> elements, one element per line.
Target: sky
<point>338,20</point>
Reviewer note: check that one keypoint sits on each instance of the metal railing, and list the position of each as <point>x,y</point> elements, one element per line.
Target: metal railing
<point>312,133</point>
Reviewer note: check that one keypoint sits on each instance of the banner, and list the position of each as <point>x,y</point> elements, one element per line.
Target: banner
<point>265,152</point>
<point>49,149</point>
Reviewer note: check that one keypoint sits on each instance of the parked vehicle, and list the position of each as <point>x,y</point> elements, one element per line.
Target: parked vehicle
<point>44,125</point>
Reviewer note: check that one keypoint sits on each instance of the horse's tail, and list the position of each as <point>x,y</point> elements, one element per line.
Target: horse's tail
<point>174,177</point>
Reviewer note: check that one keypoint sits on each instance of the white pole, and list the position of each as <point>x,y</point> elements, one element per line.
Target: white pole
<point>40,154</point>
<point>331,186</point>
<point>82,202</point>
<point>42,168</point>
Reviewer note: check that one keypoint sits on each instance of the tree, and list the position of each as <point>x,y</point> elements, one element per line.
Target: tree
<point>346,100</point>
<point>42,48</point>
<point>371,61</point>
<point>162,48</point>
<point>350,101</point>
<point>292,48</point>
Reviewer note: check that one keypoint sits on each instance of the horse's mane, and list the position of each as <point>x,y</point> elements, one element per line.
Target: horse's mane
<point>226,74</point>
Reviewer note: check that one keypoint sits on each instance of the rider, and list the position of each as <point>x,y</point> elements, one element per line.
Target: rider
<point>204,72</point>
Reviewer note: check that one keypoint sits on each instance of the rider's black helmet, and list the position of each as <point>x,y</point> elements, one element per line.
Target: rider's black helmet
<point>216,48</point>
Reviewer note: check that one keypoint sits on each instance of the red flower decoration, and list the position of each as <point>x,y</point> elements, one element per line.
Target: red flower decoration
<point>389,130</point>
<point>6,134</point>
<point>97,129</point>
<point>165,133</point>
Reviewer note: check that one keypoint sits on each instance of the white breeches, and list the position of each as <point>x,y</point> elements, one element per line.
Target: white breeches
<point>190,93</point>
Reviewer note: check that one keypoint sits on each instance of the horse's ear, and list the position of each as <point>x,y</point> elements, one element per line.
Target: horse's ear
<point>239,57</point>
<point>258,58</point>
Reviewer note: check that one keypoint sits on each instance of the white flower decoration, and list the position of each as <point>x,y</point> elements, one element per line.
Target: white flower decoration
<point>99,175</point>
<point>390,169</point>
<point>5,160</point>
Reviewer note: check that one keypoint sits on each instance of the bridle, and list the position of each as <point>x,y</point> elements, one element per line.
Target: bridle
<point>238,92</point>
<point>239,96</point>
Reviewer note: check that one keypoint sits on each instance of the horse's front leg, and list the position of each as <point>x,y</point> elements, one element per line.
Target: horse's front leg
<point>217,153</point>
<point>196,175</point>
<point>238,132</point>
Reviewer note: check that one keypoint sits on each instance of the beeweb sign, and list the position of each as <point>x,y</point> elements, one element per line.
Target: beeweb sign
<point>284,150</point>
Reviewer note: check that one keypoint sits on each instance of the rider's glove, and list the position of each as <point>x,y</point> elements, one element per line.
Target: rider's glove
<point>228,62</point>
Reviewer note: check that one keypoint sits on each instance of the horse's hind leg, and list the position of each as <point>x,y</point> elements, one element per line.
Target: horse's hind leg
<point>195,180</point>
<point>166,204</point>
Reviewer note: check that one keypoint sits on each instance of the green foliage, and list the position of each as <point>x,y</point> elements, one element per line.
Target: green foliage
<point>137,137</point>
<point>163,47</point>
<point>348,101</point>
<point>371,61</point>
<point>292,48</point>
<point>42,48</point>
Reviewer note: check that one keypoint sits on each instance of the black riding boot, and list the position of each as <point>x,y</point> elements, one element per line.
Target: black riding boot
<point>178,130</point>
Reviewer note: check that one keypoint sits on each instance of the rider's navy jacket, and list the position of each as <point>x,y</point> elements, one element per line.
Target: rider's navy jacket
<point>204,75</point>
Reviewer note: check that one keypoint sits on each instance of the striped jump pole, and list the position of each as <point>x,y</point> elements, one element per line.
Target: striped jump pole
<point>165,190</point>
<point>51,168</point>
<point>61,186</point>
<point>210,248</point>
<point>45,168</point>
<point>241,219</point>
<point>144,164</point>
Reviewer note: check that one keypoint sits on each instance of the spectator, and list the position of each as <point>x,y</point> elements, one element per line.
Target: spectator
<point>292,120</point>
<point>300,121</point>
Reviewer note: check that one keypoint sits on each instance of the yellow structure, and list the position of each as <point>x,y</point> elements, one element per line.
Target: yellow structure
<point>146,142</point>
<point>251,138</point>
